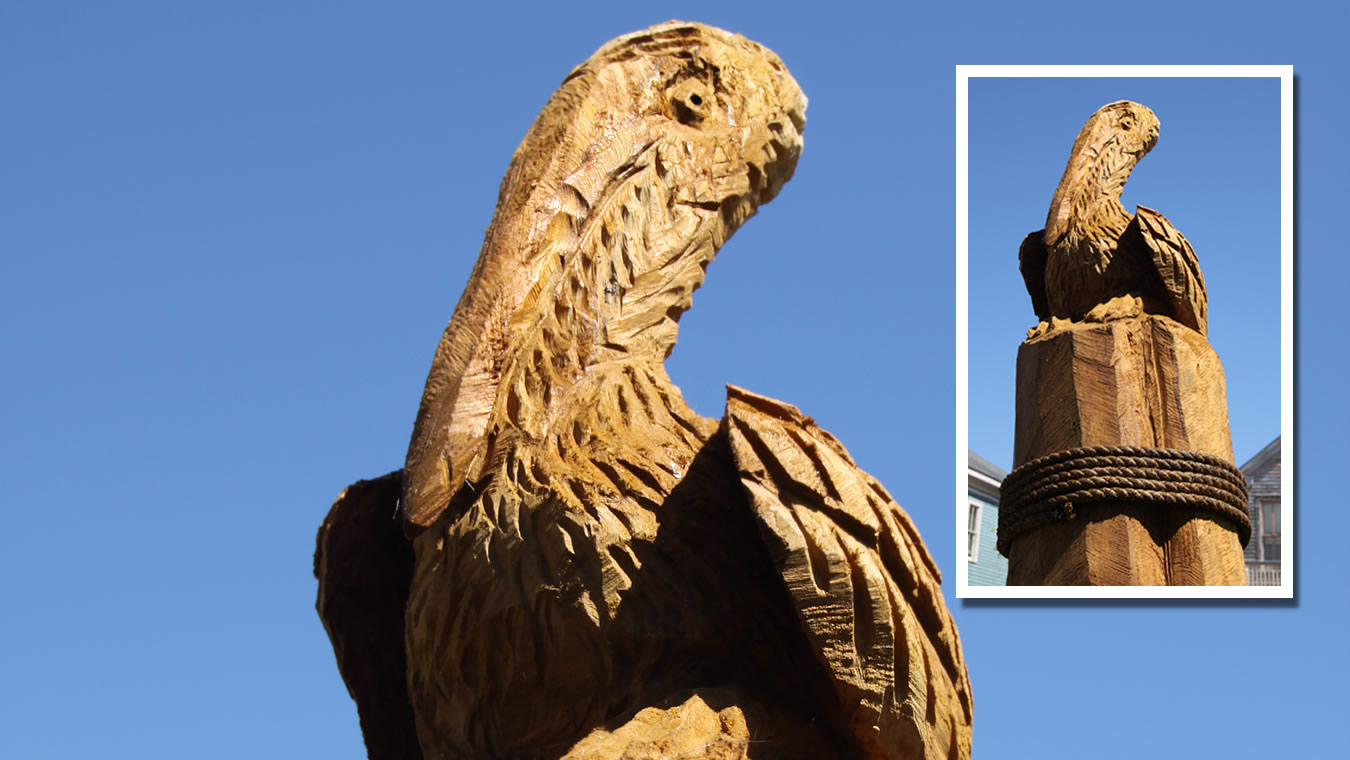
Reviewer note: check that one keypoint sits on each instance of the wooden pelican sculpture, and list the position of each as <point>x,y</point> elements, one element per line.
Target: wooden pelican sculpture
<point>1094,260</point>
<point>571,555</point>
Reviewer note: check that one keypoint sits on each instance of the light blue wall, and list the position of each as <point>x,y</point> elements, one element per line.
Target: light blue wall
<point>990,568</point>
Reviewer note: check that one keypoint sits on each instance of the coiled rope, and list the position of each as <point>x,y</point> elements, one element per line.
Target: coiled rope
<point>1050,489</point>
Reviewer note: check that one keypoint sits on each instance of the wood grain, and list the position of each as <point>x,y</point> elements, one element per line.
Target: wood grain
<point>1093,252</point>
<point>1146,381</point>
<point>591,569</point>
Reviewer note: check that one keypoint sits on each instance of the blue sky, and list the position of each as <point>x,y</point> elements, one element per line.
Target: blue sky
<point>234,232</point>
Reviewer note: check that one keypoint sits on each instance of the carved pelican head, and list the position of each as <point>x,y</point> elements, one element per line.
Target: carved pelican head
<point>1105,152</point>
<point>647,158</point>
<point>712,119</point>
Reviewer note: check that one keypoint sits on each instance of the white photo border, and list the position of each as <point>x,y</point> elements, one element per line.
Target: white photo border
<point>964,73</point>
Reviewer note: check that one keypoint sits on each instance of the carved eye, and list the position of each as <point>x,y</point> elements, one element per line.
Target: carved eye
<point>691,100</point>
<point>1127,123</point>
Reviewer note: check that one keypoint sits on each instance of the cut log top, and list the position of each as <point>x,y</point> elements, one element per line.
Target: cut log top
<point>1143,381</point>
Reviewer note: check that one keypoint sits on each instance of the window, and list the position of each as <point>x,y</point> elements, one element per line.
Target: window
<point>1269,518</point>
<point>973,532</point>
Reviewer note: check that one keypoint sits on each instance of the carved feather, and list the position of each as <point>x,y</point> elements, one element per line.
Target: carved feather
<point>1177,266</point>
<point>865,588</point>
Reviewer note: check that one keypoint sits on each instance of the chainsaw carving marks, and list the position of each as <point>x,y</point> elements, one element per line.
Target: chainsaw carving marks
<point>861,580</point>
<point>1096,261</point>
<point>646,160</point>
<point>593,565</point>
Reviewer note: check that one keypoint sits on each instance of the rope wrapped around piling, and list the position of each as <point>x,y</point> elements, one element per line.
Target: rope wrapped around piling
<point>1050,489</point>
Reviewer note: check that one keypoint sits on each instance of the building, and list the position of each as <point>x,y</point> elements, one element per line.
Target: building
<point>1263,500</point>
<point>986,566</point>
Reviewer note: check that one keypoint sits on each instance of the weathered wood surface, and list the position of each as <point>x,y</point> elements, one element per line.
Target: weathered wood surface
<point>1093,252</point>
<point>860,578</point>
<point>1119,358</point>
<point>596,571</point>
<point>1145,381</point>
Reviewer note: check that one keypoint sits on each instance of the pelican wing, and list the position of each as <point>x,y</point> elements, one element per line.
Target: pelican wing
<point>364,566</point>
<point>865,588</point>
<point>1177,265</point>
<point>1031,260</point>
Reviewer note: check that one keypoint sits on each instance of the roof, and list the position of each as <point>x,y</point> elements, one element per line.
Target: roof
<point>985,467</point>
<point>1262,458</point>
<point>984,478</point>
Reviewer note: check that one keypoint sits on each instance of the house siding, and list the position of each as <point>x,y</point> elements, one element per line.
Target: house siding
<point>1263,486</point>
<point>990,567</point>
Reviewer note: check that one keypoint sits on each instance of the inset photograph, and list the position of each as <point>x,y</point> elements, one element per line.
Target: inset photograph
<point>1125,323</point>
